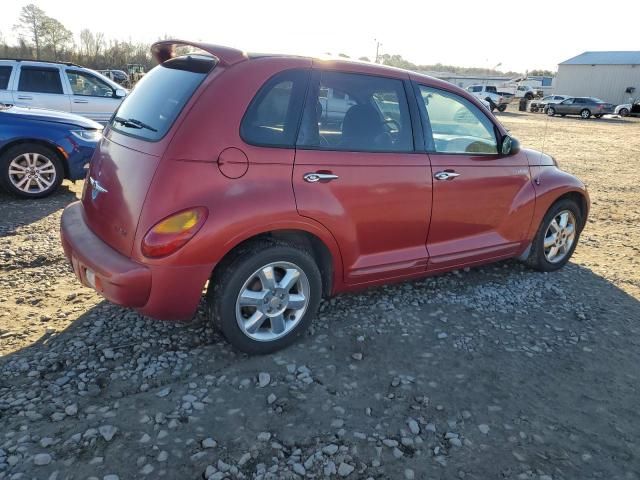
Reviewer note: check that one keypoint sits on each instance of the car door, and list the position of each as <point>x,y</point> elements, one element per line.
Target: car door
<point>360,176</point>
<point>41,87</point>
<point>91,96</point>
<point>577,105</point>
<point>482,200</point>
<point>565,106</point>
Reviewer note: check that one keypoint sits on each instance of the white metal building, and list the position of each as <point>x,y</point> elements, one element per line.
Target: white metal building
<point>612,76</point>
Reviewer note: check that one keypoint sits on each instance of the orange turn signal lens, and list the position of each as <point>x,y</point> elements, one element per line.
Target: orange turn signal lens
<point>172,233</point>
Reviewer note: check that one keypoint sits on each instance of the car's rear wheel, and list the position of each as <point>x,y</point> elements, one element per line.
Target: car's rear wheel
<point>31,170</point>
<point>623,112</point>
<point>551,111</point>
<point>585,113</point>
<point>557,237</point>
<point>265,296</point>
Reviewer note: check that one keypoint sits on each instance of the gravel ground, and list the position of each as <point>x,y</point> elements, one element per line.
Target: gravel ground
<point>494,372</point>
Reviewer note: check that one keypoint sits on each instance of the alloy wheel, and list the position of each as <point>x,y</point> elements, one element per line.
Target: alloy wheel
<point>560,236</point>
<point>272,301</point>
<point>32,173</point>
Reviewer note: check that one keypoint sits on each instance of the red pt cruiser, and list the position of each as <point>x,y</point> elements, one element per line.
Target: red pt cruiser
<point>276,180</point>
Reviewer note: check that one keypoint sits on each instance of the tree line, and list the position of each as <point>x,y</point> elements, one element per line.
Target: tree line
<point>42,37</point>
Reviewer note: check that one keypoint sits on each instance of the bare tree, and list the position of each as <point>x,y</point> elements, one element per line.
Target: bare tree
<point>56,36</point>
<point>32,24</point>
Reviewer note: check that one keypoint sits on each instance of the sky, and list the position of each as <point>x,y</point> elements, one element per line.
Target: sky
<point>518,35</point>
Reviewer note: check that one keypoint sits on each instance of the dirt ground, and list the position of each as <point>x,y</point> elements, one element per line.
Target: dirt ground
<point>495,372</point>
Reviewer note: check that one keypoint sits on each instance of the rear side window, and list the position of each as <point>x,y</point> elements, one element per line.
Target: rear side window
<point>274,114</point>
<point>152,107</point>
<point>40,80</point>
<point>360,113</point>
<point>5,74</point>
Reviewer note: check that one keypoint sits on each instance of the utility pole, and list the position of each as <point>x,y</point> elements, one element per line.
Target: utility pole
<point>378,45</point>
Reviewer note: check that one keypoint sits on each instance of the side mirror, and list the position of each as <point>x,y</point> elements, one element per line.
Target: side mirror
<point>121,93</point>
<point>510,145</point>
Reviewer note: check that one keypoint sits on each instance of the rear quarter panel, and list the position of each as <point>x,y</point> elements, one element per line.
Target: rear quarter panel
<point>188,175</point>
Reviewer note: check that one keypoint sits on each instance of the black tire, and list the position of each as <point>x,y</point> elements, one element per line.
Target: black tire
<point>30,148</point>
<point>502,108</point>
<point>536,258</point>
<point>585,113</point>
<point>598,116</point>
<point>528,96</point>
<point>623,112</point>
<point>232,274</point>
<point>551,111</point>
<point>563,114</point>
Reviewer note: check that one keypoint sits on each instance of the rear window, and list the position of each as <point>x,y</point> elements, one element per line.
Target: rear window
<point>157,100</point>
<point>5,74</point>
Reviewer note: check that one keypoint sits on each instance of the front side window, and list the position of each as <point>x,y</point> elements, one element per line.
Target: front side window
<point>5,75</point>
<point>273,116</point>
<point>40,80</point>
<point>368,114</point>
<point>568,101</point>
<point>456,125</point>
<point>86,84</point>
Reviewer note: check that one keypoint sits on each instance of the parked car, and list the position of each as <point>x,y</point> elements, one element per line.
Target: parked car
<point>489,93</point>
<point>541,104</point>
<point>118,76</point>
<point>59,86</point>
<point>519,91</point>
<point>281,206</point>
<point>38,148</point>
<point>628,109</point>
<point>583,106</point>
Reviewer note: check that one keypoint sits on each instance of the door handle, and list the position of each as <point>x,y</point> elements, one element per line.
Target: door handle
<point>446,175</point>
<point>314,177</point>
<point>24,97</point>
<point>81,101</point>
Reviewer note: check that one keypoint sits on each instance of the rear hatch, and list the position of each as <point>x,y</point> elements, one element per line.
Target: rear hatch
<point>126,160</point>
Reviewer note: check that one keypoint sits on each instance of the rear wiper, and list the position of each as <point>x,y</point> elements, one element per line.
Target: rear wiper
<point>133,123</point>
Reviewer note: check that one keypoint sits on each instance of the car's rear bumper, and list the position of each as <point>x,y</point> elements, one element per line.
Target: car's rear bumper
<point>163,292</point>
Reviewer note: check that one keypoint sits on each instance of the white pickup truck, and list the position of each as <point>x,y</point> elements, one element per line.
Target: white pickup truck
<point>490,93</point>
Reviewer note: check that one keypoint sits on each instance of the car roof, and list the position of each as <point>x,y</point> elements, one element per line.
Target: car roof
<point>30,60</point>
<point>227,56</point>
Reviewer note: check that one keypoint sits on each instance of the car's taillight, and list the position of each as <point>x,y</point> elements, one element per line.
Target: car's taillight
<point>170,234</point>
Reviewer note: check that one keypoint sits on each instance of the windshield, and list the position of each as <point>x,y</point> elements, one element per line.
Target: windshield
<point>152,107</point>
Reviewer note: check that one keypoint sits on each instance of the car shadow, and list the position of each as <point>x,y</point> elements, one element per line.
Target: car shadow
<point>18,212</point>
<point>576,346</point>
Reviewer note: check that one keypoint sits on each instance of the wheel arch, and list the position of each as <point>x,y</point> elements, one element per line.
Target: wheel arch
<point>321,245</point>
<point>580,199</point>
<point>38,141</point>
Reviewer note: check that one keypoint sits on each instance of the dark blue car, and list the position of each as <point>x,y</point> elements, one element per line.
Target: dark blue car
<point>38,148</point>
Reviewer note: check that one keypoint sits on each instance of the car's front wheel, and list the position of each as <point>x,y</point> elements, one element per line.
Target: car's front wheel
<point>585,113</point>
<point>557,237</point>
<point>502,108</point>
<point>265,296</point>
<point>31,170</point>
<point>551,111</point>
